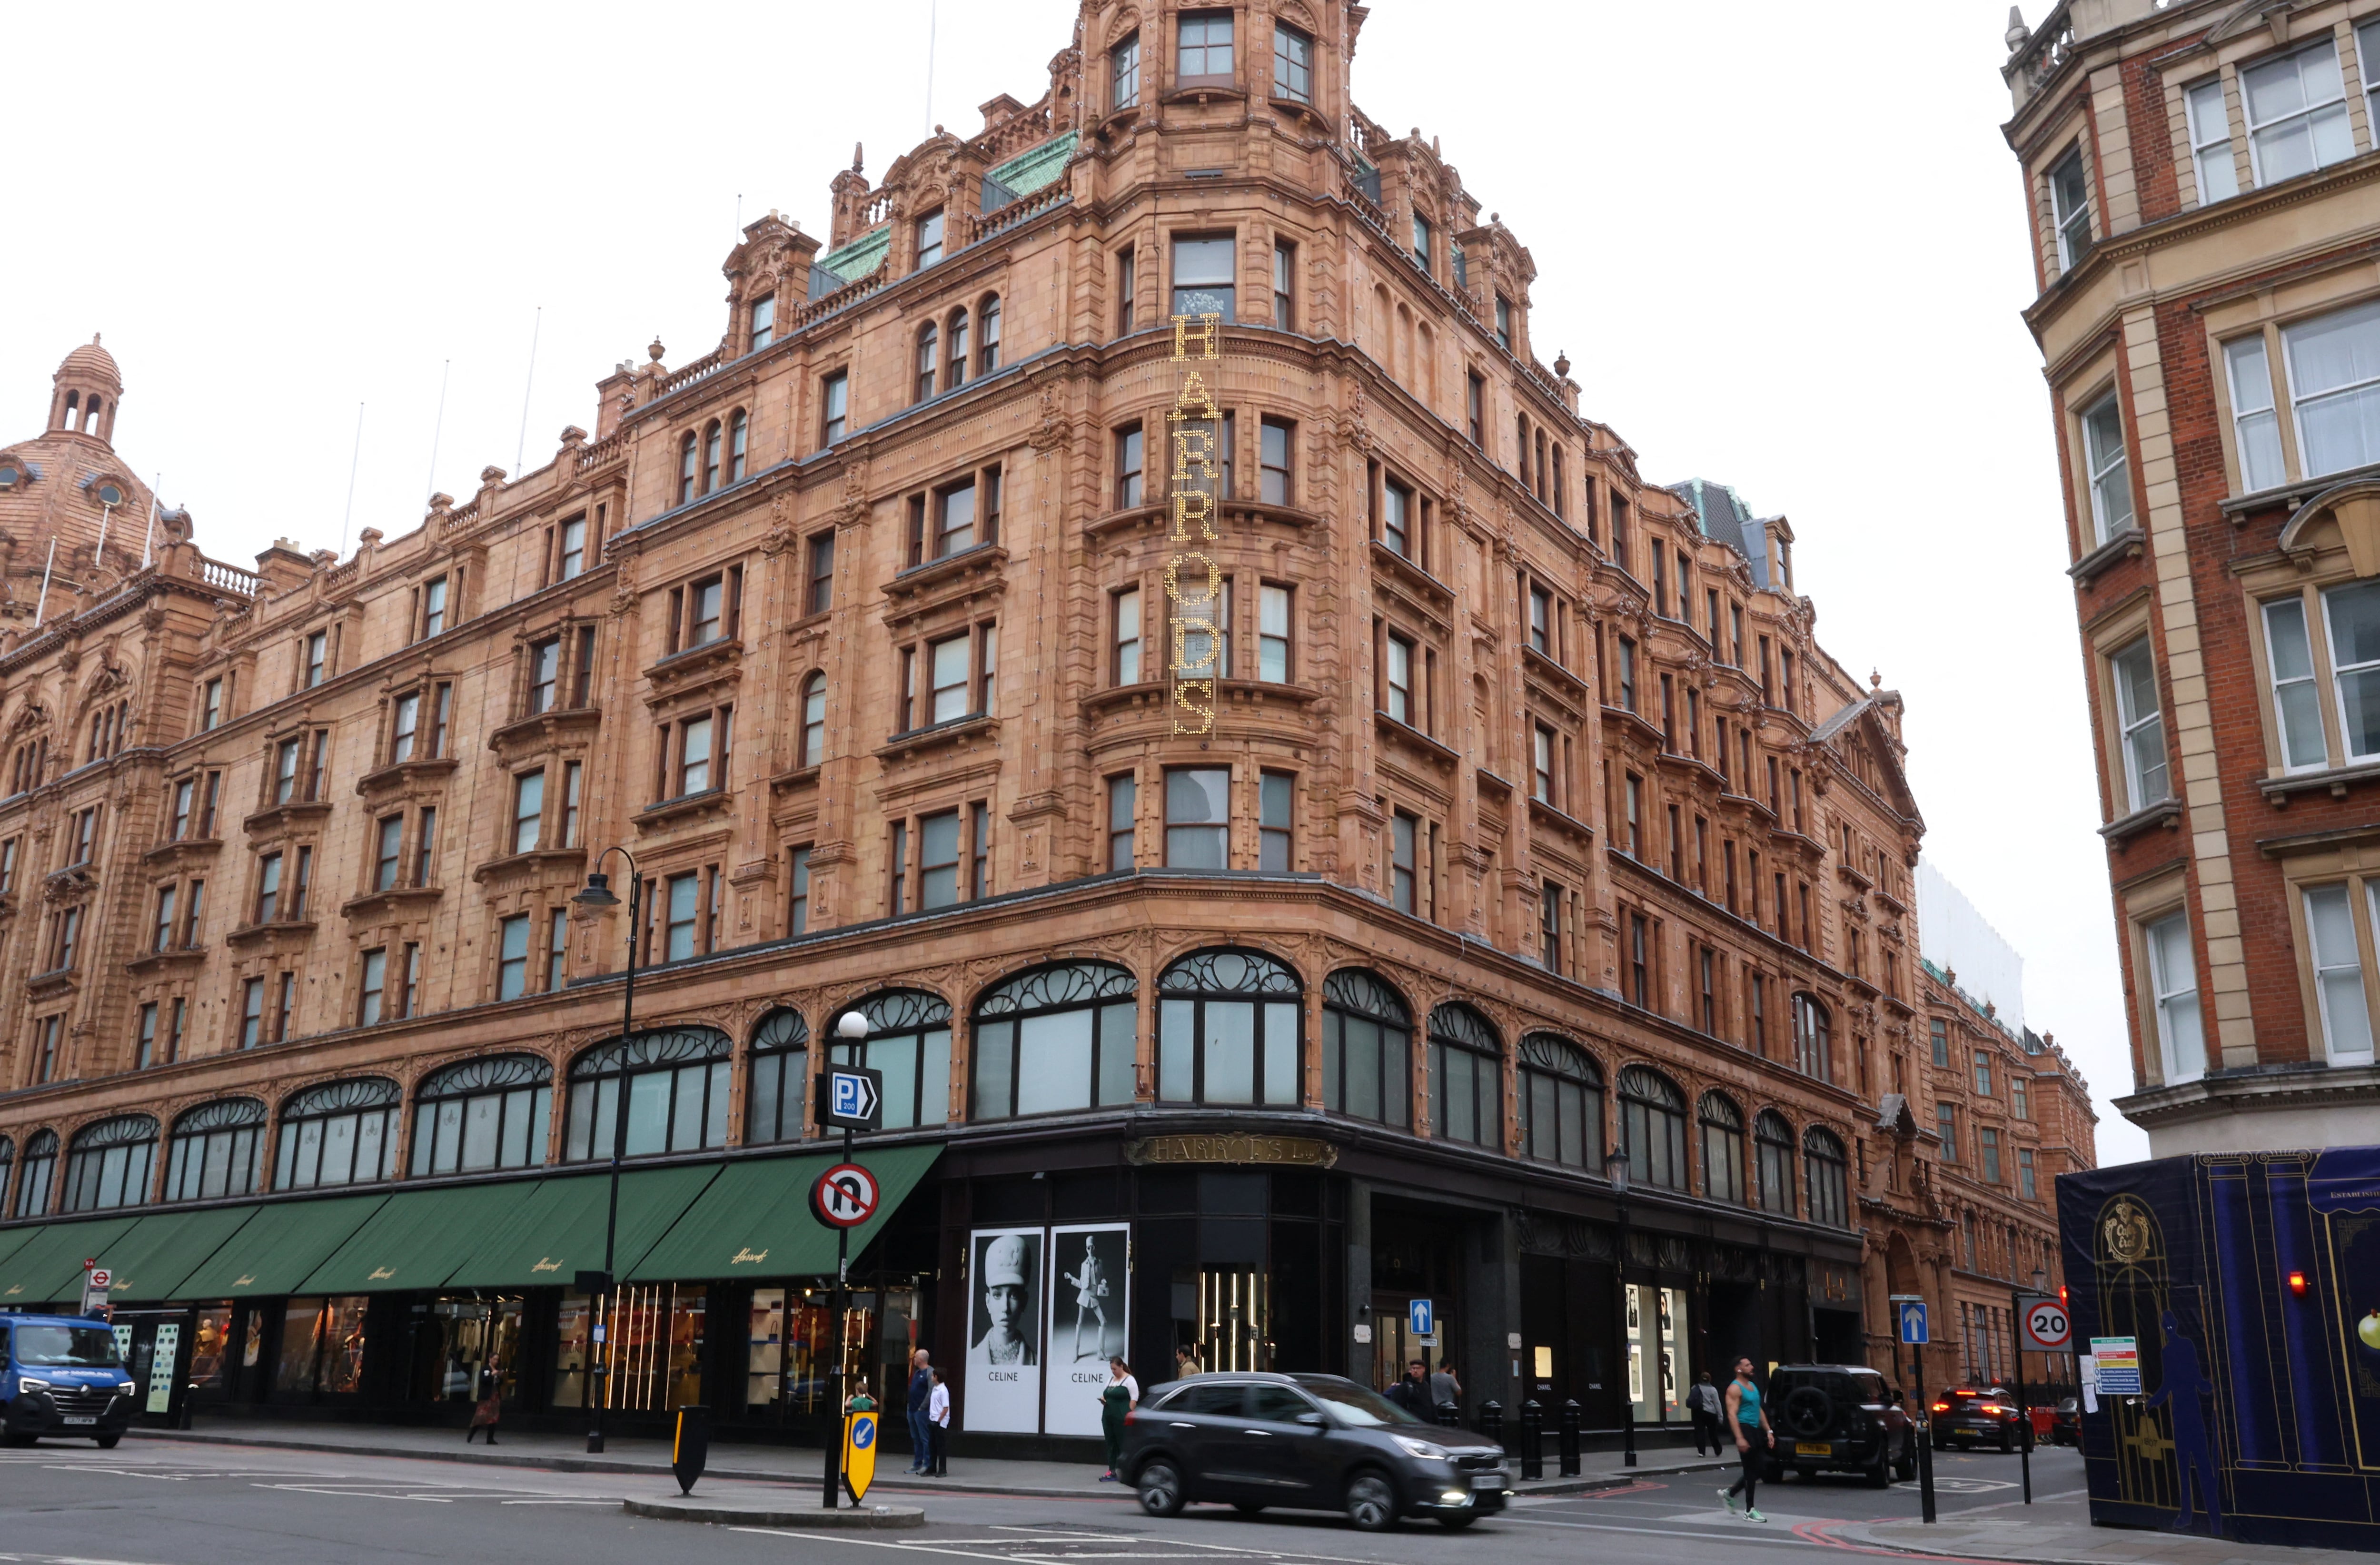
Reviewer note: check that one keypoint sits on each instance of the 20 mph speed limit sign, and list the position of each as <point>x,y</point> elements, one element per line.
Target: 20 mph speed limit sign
<point>844,1196</point>
<point>2047,1328</point>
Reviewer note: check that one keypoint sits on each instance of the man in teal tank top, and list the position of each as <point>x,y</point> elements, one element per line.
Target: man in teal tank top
<point>1753,1438</point>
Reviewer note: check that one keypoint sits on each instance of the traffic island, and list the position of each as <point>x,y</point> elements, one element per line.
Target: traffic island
<point>771,1510</point>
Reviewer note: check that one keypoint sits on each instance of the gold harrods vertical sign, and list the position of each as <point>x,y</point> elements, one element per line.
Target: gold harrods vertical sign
<point>1194,582</point>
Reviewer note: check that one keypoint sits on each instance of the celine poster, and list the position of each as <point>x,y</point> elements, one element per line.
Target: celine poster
<point>1003,1360</point>
<point>1090,1296</point>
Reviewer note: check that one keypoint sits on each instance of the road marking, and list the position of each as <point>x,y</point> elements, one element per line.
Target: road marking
<point>1657,1532</point>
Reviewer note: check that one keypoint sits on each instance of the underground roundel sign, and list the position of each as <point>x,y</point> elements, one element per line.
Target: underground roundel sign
<point>844,1196</point>
<point>2046,1327</point>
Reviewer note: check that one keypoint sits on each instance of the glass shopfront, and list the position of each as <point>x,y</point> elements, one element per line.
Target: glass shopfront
<point>653,1351</point>
<point>1656,1334</point>
<point>789,1367</point>
<point>454,1339</point>
<point>321,1347</point>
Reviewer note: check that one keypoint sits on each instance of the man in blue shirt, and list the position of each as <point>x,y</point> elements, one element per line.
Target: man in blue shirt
<point>921,1428</point>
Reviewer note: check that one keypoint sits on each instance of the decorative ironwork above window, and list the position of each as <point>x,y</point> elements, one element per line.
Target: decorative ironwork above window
<point>1049,989</point>
<point>1644,1084</point>
<point>343,1097</point>
<point>905,1010</point>
<point>125,1130</point>
<point>42,1144</point>
<point>661,1046</point>
<point>1719,1110</point>
<point>1228,972</point>
<point>223,1113</point>
<point>1544,1051</point>
<point>779,1031</point>
<point>1457,1024</point>
<point>1353,990</point>
<point>494,1073</point>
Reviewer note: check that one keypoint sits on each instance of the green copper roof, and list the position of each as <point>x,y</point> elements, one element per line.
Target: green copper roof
<point>1030,170</point>
<point>860,257</point>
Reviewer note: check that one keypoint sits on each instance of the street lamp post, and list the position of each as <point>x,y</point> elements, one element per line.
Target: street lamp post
<point>598,894</point>
<point>851,1028</point>
<point>1615,1169</point>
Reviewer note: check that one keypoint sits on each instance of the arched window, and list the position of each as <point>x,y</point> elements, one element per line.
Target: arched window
<point>677,1094</point>
<point>1367,1050</point>
<point>1466,1077</point>
<point>486,1113</point>
<point>1722,1128</point>
<point>1813,1038</point>
<point>74,410</point>
<point>909,1040</point>
<point>814,720</point>
<point>1653,1127</point>
<point>710,457</point>
<point>955,375</point>
<point>1056,1038</point>
<point>340,1133</point>
<point>216,1150</point>
<point>41,1165</point>
<point>1822,1153</point>
<point>687,458</point>
<point>928,342</point>
<point>1228,1030</point>
<point>739,429</point>
<point>90,416</point>
<point>781,1070</point>
<point>108,1164</point>
<point>987,333</point>
<point>1772,1139</point>
<point>1562,1102</point>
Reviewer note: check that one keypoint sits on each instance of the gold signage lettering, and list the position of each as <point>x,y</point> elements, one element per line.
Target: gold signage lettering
<point>749,1258</point>
<point>1194,656</point>
<point>381,1274</point>
<point>545,1264</point>
<point>1294,1152</point>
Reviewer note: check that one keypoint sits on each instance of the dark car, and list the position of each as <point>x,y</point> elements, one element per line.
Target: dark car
<point>1839,1418</point>
<point>1309,1442</point>
<point>2066,1422</point>
<point>1972,1415</point>
<point>61,1375</point>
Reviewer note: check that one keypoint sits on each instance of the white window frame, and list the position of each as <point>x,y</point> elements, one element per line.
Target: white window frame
<point>2136,729</point>
<point>2368,387</point>
<point>2340,672</point>
<point>2101,469</point>
<point>2209,118</point>
<point>2062,221</point>
<point>2277,683</point>
<point>2255,421</point>
<point>2341,1023</point>
<point>2167,989</point>
<point>2308,113</point>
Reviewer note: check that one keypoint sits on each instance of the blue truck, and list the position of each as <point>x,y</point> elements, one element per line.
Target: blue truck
<point>62,1375</point>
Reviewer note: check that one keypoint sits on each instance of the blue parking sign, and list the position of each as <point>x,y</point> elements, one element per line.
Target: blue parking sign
<point>1421,1318</point>
<point>1913,1322</point>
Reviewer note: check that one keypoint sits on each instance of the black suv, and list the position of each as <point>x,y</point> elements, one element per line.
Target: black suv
<point>1313,1442</point>
<point>1965,1416</point>
<point>1838,1418</point>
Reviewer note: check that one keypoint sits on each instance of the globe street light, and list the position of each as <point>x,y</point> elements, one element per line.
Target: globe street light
<point>598,896</point>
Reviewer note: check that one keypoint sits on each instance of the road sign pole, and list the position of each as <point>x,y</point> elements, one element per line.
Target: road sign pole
<point>1916,1331</point>
<point>842,1270</point>
<point>2023,1406</point>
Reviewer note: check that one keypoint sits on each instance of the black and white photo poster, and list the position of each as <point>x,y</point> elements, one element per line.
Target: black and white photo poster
<point>1003,1360</point>
<point>1089,1296</point>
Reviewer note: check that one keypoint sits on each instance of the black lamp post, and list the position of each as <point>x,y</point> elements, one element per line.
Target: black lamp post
<point>598,894</point>
<point>851,1031</point>
<point>1615,1169</point>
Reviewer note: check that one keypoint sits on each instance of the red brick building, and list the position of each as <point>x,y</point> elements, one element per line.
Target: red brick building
<point>2200,177</point>
<point>1531,838</point>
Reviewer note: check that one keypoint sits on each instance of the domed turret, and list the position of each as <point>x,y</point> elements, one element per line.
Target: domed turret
<point>85,391</point>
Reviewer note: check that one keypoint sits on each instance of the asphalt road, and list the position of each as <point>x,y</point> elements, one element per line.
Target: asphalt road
<point>189,1505</point>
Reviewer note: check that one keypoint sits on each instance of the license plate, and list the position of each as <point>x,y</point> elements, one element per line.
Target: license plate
<point>1813,1448</point>
<point>1486,1480</point>
<point>78,1418</point>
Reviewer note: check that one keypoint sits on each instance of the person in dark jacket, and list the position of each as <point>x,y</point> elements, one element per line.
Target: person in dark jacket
<point>921,1427</point>
<point>490,1404</point>
<point>1412,1394</point>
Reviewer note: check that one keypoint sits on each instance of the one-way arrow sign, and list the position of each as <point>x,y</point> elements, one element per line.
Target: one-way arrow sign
<point>851,1098</point>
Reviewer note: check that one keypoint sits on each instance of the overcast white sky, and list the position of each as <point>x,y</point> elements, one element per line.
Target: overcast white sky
<point>1781,244</point>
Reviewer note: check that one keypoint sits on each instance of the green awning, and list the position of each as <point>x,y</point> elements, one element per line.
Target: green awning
<point>278,1248</point>
<point>150,1262</point>
<point>414,1240</point>
<point>755,1219</point>
<point>48,1267</point>
<point>15,1239</point>
<point>549,1235</point>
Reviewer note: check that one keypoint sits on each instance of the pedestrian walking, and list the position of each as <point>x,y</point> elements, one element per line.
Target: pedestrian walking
<point>1445,1393</point>
<point>489,1406</point>
<point>1703,1401</point>
<point>1117,1398</point>
<point>1185,1361</point>
<point>1412,1394</point>
<point>938,1423</point>
<point>921,1392</point>
<point>1748,1420</point>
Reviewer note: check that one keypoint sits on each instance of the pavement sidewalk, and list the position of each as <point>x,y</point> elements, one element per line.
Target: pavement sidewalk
<point>2063,1536</point>
<point>790,1465</point>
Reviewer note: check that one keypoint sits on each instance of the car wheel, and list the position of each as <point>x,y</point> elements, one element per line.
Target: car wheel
<point>1880,1476</point>
<point>1906,1469</point>
<point>106,1442</point>
<point>2007,1442</point>
<point>1161,1489</point>
<point>1248,1507</point>
<point>1371,1503</point>
<point>1456,1523</point>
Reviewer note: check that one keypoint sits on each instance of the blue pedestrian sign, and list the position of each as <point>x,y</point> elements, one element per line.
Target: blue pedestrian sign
<point>1912,1321</point>
<point>1422,1317</point>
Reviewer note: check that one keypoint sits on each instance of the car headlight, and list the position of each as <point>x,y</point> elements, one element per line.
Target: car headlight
<point>27,1383</point>
<point>123,1388</point>
<point>1428,1450</point>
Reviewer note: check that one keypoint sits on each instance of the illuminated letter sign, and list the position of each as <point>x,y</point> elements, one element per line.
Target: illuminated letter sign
<point>1193,583</point>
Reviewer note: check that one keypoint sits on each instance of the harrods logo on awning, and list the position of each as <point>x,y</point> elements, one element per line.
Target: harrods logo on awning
<point>749,1258</point>
<point>381,1274</point>
<point>546,1263</point>
<point>1194,582</point>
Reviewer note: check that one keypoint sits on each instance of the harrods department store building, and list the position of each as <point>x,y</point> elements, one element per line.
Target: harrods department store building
<point>1531,826</point>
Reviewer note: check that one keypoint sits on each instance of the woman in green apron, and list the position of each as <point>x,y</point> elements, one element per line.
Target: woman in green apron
<point>1117,1397</point>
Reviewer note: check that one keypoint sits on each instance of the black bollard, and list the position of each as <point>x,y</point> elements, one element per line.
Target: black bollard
<point>1570,1440</point>
<point>1533,1430</point>
<point>1491,1421</point>
<point>1448,1415</point>
<point>690,1446</point>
